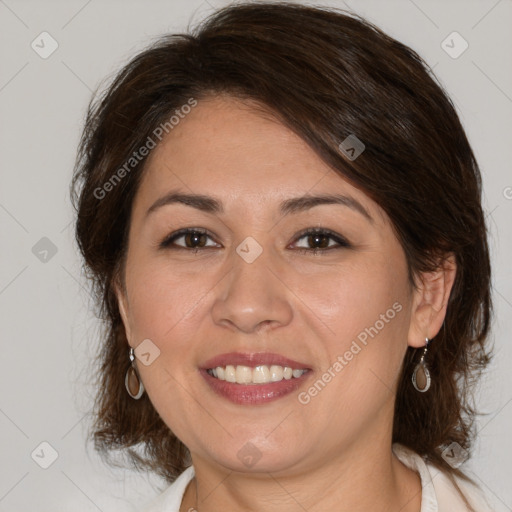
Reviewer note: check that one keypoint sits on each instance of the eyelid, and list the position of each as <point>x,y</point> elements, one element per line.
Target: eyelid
<point>339,239</point>
<point>322,231</point>
<point>167,241</point>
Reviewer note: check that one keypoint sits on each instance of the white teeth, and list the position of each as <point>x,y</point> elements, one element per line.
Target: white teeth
<point>261,374</point>
<point>243,374</point>
<point>258,375</point>
<point>276,373</point>
<point>230,374</point>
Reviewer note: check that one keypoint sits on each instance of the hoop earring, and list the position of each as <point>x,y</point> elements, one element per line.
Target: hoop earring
<point>421,375</point>
<point>132,380</point>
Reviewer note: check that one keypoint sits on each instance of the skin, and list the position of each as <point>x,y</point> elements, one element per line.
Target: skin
<point>333,453</point>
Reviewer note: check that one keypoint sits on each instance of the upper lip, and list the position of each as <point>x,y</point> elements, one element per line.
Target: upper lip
<point>252,360</point>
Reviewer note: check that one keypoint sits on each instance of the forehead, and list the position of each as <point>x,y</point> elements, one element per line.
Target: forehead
<point>235,151</point>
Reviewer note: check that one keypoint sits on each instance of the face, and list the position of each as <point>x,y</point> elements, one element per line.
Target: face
<point>255,280</point>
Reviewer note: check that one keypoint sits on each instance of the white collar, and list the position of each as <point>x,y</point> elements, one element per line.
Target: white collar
<point>437,495</point>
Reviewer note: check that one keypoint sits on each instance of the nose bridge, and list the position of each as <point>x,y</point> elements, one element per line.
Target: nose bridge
<point>253,293</point>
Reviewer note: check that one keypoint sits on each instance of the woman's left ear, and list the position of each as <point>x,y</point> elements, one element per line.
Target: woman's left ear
<point>430,300</point>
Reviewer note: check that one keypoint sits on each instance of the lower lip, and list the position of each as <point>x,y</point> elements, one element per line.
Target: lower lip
<point>254,394</point>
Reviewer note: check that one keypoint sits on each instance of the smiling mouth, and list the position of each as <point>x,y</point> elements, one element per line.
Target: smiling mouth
<point>262,374</point>
<point>249,393</point>
<point>254,378</point>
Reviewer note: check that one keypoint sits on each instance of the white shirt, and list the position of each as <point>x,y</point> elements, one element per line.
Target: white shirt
<point>438,493</point>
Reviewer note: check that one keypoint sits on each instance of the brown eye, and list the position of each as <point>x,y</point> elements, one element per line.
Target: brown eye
<point>193,239</point>
<point>319,240</point>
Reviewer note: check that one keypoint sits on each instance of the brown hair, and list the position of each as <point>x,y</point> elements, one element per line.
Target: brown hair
<point>325,74</point>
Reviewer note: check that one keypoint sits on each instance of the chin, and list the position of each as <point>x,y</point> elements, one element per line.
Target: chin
<point>251,456</point>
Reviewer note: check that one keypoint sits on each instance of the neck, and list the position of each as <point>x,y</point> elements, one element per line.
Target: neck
<point>357,480</point>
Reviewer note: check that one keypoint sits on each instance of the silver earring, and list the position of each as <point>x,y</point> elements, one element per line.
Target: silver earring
<point>421,376</point>
<point>132,380</point>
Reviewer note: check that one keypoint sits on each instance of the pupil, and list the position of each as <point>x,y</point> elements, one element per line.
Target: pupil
<point>315,239</point>
<point>195,237</point>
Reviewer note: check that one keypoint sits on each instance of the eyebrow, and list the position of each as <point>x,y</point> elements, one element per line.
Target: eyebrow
<point>212,205</point>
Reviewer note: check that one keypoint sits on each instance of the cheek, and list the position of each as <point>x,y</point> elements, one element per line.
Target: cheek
<point>347,300</point>
<point>165,307</point>
<point>337,302</point>
<point>365,311</point>
<point>164,302</point>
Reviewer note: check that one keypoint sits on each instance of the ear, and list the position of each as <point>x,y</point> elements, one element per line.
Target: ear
<point>430,300</point>
<point>122,302</point>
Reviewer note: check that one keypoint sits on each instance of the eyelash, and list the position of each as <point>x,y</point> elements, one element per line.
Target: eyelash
<point>343,243</point>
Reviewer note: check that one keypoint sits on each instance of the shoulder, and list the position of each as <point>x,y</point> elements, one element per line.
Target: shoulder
<point>170,499</point>
<point>439,494</point>
<point>449,497</point>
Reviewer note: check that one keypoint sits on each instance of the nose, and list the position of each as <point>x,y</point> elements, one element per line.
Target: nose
<point>253,296</point>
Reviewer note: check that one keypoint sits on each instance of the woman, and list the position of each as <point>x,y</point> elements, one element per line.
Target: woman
<point>281,214</point>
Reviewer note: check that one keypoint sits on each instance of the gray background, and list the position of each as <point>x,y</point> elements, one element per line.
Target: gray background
<point>49,332</point>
